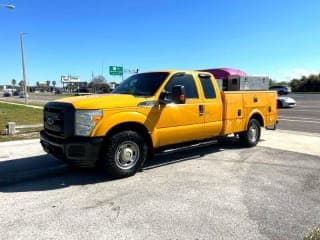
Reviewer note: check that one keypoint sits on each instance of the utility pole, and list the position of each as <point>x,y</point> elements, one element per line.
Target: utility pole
<point>24,70</point>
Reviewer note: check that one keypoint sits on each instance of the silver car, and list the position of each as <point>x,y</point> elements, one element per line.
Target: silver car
<point>285,102</point>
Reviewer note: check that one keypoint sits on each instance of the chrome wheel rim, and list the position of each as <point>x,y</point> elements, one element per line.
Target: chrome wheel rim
<point>127,155</point>
<point>253,133</point>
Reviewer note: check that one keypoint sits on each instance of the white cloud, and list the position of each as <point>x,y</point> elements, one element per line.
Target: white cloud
<point>288,75</point>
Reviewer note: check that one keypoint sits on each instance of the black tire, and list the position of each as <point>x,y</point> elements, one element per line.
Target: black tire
<point>279,103</point>
<point>251,136</point>
<point>125,154</point>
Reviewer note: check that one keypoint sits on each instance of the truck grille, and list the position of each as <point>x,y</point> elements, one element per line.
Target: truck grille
<point>58,119</point>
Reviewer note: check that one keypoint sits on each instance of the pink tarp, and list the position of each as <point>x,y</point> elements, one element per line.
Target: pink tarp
<point>224,73</point>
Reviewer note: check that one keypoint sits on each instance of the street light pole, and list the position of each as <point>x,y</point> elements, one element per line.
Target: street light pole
<point>23,70</point>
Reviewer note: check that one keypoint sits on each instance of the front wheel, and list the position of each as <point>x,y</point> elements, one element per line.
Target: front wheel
<point>251,136</point>
<point>126,152</point>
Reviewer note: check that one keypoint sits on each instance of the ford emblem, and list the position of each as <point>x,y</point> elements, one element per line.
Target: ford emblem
<point>50,121</point>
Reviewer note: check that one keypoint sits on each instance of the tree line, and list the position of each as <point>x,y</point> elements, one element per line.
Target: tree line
<point>98,84</point>
<point>304,84</point>
<point>38,84</point>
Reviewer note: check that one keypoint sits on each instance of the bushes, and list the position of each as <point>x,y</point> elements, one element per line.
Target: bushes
<point>306,84</point>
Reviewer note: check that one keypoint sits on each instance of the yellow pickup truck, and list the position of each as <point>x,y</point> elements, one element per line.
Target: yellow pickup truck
<point>149,111</point>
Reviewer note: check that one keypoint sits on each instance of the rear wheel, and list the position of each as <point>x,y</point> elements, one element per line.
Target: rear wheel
<point>126,152</point>
<point>251,136</point>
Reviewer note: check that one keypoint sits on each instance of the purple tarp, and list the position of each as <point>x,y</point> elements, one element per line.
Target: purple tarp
<point>224,73</point>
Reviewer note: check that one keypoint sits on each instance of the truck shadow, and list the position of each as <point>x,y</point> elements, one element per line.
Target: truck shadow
<point>43,173</point>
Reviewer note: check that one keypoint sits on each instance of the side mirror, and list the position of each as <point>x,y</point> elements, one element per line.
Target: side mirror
<point>178,94</point>
<point>165,98</point>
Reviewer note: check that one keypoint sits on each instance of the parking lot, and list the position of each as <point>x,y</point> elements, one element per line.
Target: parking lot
<point>220,191</point>
<point>216,192</point>
<point>304,117</point>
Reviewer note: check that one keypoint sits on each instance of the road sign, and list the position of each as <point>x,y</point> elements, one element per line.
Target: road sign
<point>116,70</point>
<point>70,79</point>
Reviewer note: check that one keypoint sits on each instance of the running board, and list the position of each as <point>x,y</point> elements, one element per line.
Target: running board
<point>175,149</point>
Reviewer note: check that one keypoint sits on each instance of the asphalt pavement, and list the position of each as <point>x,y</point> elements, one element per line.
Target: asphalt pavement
<point>24,160</point>
<point>305,117</point>
<point>34,98</point>
<point>215,192</point>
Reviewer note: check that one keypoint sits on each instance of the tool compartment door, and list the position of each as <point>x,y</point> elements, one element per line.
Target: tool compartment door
<point>233,112</point>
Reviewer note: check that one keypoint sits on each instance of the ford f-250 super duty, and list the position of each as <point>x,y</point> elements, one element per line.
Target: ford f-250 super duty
<point>148,111</point>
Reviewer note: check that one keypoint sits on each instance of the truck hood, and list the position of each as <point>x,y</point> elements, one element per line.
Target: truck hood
<point>103,101</point>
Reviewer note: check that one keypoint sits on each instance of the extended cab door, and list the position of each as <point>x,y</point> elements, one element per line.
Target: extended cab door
<point>212,105</point>
<point>179,123</point>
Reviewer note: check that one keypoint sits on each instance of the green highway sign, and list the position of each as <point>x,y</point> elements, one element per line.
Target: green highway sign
<point>116,70</point>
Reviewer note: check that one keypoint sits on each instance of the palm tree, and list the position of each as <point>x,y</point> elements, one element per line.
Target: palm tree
<point>48,85</point>
<point>21,83</point>
<point>13,82</point>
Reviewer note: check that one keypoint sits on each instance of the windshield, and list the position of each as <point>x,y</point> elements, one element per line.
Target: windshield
<point>143,84</point>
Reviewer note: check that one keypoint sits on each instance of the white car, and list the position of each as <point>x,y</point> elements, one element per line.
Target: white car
<point>285,102</point>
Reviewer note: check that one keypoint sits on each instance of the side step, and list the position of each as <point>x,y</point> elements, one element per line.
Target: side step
<point>184,147</point>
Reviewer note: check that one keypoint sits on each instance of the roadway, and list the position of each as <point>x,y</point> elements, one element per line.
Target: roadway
<point>213,192</point>
<point>305,117</point>
<point>34,98</point>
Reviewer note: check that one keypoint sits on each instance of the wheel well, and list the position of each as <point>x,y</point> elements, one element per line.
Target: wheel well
<point>133,126</point>
<point>259,118</point>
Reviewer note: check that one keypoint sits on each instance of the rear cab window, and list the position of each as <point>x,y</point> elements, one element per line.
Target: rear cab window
<point>207,86</point>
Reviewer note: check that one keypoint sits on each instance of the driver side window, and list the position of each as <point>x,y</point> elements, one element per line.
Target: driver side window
<point>187,81</point>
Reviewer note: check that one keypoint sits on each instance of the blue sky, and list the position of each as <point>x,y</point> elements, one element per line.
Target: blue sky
<point>276,38</point>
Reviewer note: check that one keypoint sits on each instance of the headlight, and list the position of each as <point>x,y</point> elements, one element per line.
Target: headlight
<point>86,120</point>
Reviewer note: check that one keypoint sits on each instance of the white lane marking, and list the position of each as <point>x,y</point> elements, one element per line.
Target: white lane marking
<point>298,110</point>
<point>292,117</point>
<point>304,106</point>
<point>295,120</point>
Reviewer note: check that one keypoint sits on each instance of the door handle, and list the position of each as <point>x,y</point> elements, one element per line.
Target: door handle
<point>201,110</point>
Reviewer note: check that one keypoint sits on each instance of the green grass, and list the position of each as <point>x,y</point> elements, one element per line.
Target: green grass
<point>21,115</point>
